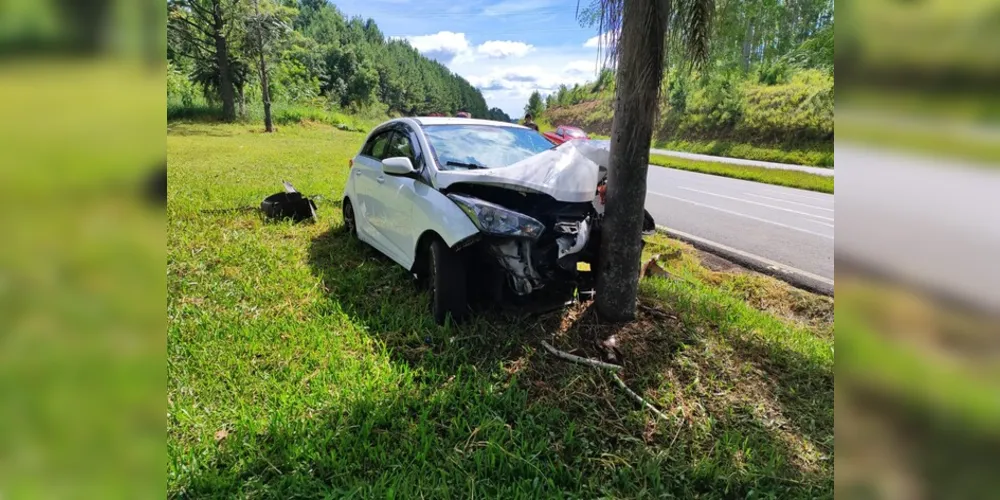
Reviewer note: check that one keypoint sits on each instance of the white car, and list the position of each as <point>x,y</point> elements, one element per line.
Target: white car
<point>473,207</point>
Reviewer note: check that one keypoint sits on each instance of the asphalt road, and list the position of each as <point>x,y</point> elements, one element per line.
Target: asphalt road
<point>791,227</point>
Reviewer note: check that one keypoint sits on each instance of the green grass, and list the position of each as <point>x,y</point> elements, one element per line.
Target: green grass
<point>789,178</point>
<point>303,363</point>
<point>815,155</point>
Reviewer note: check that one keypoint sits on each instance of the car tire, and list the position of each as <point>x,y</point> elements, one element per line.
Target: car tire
<point>446,278</point>
<point>350,220</point>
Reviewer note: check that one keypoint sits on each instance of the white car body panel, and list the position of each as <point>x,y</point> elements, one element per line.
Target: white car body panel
<point>392,212</point>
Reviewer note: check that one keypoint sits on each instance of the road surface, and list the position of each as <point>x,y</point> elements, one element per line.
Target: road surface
<point>925,221</point>
<point>789,226</point>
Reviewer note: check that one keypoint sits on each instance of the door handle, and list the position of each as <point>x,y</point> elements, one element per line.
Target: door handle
<point>380,179</point>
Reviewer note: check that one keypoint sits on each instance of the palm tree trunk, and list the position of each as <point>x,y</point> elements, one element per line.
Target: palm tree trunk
<point>640,70</point>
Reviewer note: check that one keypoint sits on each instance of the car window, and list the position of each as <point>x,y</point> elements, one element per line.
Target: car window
<point>399,145</point>
<point>575,132</point>
<point>486,145</point>
<point>378,146</point>
<point>559,131</point>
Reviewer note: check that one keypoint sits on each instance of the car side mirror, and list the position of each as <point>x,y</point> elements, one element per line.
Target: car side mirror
<point>397,165</point>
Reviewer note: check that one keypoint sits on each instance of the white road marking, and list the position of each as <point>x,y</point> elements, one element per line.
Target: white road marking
<point>757,203</point>
<point>820,222</point>
<point>749,255</point>
<point>791,202</point>
<point>807,197</point>
<point>744,215</point>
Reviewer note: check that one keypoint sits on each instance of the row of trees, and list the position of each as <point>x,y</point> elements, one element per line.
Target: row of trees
<point>306,51</point>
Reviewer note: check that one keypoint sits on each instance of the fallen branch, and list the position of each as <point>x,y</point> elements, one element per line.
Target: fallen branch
<point>637,397</point>
<point>607,366</point>
<point>577,359</point>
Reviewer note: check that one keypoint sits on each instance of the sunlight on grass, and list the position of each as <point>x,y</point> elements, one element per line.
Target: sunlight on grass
<point>303,363</point>
<point>788,178</point>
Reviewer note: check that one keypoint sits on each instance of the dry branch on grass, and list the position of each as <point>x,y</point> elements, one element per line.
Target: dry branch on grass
<point>607,366</point>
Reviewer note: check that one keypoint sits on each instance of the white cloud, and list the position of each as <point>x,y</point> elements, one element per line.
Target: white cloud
<point>508,71</point>
<point>499,49</point>
<point>604,40</point>
<point>581,67</point>
<point>443,46</point>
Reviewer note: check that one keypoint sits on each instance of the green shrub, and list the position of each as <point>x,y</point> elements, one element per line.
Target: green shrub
<point>799,110</point>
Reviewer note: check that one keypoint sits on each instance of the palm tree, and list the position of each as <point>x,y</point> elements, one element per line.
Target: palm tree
<point>637,35</point>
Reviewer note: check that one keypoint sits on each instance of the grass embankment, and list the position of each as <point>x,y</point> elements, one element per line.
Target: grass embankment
<point>302,363</point>
<point>789,178</point>
<point>813,155</point>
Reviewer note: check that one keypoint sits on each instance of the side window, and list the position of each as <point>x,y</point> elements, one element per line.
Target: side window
<point>400,145</point>
<point>376,148</point>
<point>560,132</point>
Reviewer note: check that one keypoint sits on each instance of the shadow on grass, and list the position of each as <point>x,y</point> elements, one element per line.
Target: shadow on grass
<point>178,128</point>
<point>483,411</point>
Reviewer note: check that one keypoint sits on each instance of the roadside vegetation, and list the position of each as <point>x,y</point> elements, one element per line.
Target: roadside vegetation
<point>302,363</point>
<point>767,93</point>
<point>322,66</point>
<point>778,177</point>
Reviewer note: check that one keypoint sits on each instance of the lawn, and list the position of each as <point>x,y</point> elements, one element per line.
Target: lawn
<point>302,363</point>
<point>789,178</point>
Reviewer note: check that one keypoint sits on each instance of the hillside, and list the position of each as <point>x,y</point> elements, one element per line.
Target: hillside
<point>790,121</point>
<point>320,65</point>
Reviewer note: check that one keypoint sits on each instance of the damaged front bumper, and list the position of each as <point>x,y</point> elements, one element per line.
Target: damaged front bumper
<point>532,264</point>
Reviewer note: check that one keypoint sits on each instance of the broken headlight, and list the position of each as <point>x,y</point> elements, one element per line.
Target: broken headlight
<point>493,219</point>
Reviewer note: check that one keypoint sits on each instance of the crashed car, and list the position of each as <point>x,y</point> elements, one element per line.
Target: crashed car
<point>478,209</point>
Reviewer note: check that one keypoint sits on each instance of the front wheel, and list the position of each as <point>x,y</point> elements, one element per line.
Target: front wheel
<point>446,277</point>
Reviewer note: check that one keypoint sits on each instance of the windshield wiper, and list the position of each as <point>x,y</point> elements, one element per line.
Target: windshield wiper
<point>466,165</point>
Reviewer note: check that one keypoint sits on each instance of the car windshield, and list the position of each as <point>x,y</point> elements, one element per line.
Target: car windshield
<point>575,132</point>
<point>483,146</point>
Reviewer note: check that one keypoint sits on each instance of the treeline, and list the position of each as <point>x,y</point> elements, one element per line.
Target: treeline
<point>312,56</point>
<point>769,81</point>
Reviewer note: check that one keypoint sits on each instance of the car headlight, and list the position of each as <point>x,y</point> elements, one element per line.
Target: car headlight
<point>494,219</point>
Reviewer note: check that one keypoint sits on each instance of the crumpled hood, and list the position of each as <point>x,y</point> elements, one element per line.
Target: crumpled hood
<point>568,173</point>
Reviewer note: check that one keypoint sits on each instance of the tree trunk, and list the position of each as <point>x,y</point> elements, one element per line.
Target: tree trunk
<point>747,42</point>
<point>265,88</point>
<point>222,61</point>
<point>640,69</point>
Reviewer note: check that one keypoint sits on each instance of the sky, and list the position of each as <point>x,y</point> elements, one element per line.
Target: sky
<point>506,48</point>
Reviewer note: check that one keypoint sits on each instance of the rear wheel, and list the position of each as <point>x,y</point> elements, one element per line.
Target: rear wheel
<point>350,222</point>
<point>446,278</point>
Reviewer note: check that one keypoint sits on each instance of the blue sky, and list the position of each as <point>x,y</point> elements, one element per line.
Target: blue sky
<point>507,48</point>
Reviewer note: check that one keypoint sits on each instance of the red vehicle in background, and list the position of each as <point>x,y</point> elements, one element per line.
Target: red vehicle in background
<point>565,133</point>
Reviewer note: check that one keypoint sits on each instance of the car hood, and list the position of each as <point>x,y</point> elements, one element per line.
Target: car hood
<point>569,173</point>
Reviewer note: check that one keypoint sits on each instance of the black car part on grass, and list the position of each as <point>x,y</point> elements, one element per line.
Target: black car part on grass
<point>289,204</point>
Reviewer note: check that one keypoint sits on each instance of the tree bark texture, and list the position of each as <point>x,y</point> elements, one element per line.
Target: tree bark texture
<point>640,70</point>
<point>222,60</point>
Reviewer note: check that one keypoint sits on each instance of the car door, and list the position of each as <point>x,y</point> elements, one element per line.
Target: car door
<point>367,169</point>
<point>395,197</point>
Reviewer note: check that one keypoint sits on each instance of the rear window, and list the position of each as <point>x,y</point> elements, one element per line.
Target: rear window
<point>469,146</point>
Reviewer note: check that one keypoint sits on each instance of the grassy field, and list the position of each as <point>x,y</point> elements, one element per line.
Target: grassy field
<point>790,178</point>
<point>302,363</point>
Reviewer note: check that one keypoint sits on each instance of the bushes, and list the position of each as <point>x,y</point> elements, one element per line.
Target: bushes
<point>799,110</point>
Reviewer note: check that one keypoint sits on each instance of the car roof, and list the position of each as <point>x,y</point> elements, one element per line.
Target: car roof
<point>448,120</point>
